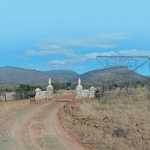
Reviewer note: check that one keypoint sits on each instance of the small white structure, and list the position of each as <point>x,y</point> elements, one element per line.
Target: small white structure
<point>84,93</point>
<point>41,95</point>
<point>37,91</point>
<point>79,89</point>
<point>50,89</point>
<point>92,92</point>
<point>7,96</point>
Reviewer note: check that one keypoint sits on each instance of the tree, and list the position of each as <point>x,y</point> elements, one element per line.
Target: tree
<point>24,91</point>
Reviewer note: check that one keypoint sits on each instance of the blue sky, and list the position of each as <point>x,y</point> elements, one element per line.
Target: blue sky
<point>69,34</point>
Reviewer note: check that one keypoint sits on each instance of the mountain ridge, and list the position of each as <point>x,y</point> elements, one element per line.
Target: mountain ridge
<point>114,75</point>
<point>15,76</point>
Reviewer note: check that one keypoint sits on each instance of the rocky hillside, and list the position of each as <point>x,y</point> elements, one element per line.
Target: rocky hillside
<point>15,76</point>
<point>116,75</point>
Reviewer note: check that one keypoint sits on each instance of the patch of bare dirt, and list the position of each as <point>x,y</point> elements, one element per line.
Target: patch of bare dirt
<point>120,123</point>
<point>25,126</point>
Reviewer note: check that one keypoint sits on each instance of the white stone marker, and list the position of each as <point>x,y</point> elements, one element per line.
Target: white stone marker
<point>92,92</point>
<point>50,88</point>
<point>79,89</point>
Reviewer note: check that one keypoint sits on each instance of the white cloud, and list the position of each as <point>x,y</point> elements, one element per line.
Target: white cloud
<point>50,46</point>
<point>50,51</point>
<point>65,46</point>
<point>130,52</point>
<point>88,42</point>
<point>57,62</point>
<point>134,52</point>
<point>82,58</point>
<point>32,52</point>
<point>103,40</point>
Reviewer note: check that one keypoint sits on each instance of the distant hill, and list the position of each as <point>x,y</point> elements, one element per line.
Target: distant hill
<point>62,76</point>
<point>11,76</point>
<point>115,75</point>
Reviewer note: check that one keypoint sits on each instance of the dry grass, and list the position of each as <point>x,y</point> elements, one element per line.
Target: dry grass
<point>119,123</point>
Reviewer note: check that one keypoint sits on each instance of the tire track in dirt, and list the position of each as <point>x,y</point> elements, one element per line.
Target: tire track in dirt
<point>34,127</point>
<point>47,133</point>
<point>12,119</point>
<point>10,112</point>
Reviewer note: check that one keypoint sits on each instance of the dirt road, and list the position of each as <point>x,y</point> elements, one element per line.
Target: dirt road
<point>25,126</point>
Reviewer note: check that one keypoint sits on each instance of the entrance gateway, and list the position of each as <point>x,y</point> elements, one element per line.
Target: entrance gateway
<point>80,92</point>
